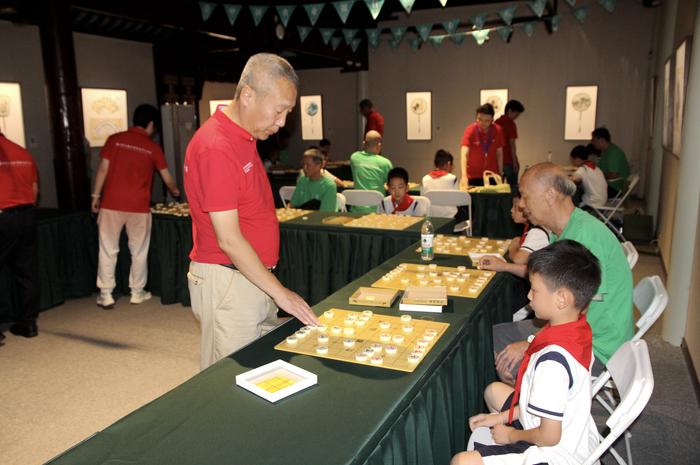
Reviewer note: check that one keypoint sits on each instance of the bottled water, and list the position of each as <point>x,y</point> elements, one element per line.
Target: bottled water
<point>427,233</point>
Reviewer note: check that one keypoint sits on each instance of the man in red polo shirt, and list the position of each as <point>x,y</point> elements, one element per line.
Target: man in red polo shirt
<point>374,120</point>
<point>18,193</point>
<point>126,174</point>
<point>511,165</point>
<point>234,226</point>
<point>481,148</point>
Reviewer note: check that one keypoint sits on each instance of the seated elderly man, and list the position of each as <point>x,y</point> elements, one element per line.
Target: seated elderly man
<point>369,168</point>
<point>546,200</point>
<point>314,191</point>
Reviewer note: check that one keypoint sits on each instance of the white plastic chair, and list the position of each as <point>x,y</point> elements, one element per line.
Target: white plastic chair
<point>614,207</point>
<point>630,369</point>
<point>362,198</point>
<point>340,203</point>
<point>286,193</point>
<point>631,253</point>
<point>453,198</point>
<point>650,298</point>
<point>423,205</point>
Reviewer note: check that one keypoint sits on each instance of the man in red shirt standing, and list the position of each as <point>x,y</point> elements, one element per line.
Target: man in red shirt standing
<point>481,148</point>
<point>234,226</point>
<point>18,194</point>
<point>126,174</point>
<point>374,120</point>
<point>511,165</point>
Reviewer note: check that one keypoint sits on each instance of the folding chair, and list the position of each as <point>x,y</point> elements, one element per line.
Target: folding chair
<point>286,193</point>
<point>362,198</point>
<point>340,203</point>
<point>453,198</point>
<point>630,369</point>
<point>614,207</point>
<point>631,253</point>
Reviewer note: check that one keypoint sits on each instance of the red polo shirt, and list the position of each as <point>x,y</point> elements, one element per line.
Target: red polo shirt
<point>132,157</point>
<point>476,141</point>
<point>510,132</point>
<point>17,175</point>
<point>223,172</point>
<point>375,122</point>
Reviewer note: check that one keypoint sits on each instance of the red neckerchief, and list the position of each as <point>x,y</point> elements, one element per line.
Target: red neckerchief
<point>438,173</point>
<point>575,337</point>
<point>403,206</point>
<point>590,164</point>
<point>522,238</point>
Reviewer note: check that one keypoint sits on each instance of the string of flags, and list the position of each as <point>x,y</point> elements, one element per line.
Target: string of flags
<point>476,24</point>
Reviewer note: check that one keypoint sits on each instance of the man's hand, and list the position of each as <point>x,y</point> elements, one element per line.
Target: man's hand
<point>95,205</point>
<point>175,192</point>
<point>485,419</point>
<point>508,358</point>
<point>492,263</point>
<point>293,304</point>
<point>501,434</point>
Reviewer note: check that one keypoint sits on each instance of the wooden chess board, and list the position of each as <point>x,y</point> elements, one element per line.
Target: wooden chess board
<point>286,214</point>
<point>460,281</point>
<point>367,338</point>
<point>171,208</point>
<point>468,246</point>
<point>381,221</point>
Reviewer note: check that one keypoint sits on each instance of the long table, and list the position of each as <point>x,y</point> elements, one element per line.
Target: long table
<point>355,415</point>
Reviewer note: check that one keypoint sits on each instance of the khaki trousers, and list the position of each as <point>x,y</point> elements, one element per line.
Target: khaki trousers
<point>232,312</point>
<point>138,230</point>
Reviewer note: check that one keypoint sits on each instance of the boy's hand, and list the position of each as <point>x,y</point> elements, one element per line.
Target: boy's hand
<point>508,358</point>
<point>501,434</point>
<point>492,263</point>
<point>484,419</point>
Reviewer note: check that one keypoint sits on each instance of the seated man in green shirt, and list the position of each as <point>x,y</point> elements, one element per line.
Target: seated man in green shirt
<point>612,161</point>
<point>546,200</point>
<point>369,169</point>
<point>314,191</point>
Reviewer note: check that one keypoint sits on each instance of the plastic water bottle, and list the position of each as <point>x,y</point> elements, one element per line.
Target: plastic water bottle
<point>427,233</point>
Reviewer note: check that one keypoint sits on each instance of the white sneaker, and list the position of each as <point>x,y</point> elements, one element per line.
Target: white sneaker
<point>141,296</point>
<point>105,300</point>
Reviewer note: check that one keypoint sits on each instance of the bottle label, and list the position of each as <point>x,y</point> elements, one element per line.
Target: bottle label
<point>426,242</point>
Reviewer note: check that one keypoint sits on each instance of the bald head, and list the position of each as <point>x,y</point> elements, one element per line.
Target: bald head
<point>545,195</point>
<point>548,175</point>
<point>373,141</point>
<point>263,71</point>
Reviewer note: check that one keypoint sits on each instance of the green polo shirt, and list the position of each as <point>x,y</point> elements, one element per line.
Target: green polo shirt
<point>322,190</point>
<point>610,312</point>
<point>369,172</point>
<point>613,160</point>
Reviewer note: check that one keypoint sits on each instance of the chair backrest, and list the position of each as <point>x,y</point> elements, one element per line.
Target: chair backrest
<point>422,205</point>
<point>286,193</point>
<point>650,298</point>
<point>362,198</point>
<point>630,184</point>
<point>340,203</point>
<point>631,253</point>
<point>448,198</point>
<point>630,369</point>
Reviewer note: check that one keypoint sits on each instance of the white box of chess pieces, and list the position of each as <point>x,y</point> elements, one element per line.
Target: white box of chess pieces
<point>276,380</point>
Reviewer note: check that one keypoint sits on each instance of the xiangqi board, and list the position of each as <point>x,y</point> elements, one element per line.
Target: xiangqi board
<point>380,221</point>
<point>459,281</point>
<point>286,214</point>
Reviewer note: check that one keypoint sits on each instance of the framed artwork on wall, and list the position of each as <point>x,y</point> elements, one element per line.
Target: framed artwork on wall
<point>680,80</point>
<point>667,128</point>
<point>11,121</point>
<point>217,105</point>
<point>581,103</point>
<point>311,117</point>
<point>104,114</point>
<point>418,116</point>
<point>497,98</point>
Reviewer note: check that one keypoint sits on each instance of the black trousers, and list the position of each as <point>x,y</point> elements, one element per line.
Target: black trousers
<point>18,251</point>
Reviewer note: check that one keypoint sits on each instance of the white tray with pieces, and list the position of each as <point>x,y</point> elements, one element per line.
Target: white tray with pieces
<point>276,380</point>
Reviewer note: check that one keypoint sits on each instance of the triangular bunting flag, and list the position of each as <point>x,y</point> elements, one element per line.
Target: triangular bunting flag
<point>407,5</point>
<point>608,5</point>
<point>349,34</point>
<point>335,41</point>
<point>397,32</point>
<point>285,12</point>
<point>373,37</point>
<point>355,43</point>
<point>504,32</point>
<point>443,3</point>
<point>343,8</point>
<point>451,26</point>
<point>572,3</point>
<point>556,19</point>
<point>424,30</point>
<point>314,11</point>
<point>507,14</point>
<point>206,8</point>
<point>393,43</point>
<point>537,7</point>
<point>304,32</point>
<point>326,34</point>
<point>481,36</point>
<point>436,41</point>
<point>479,20</point>
<point>232,12</point>
<point>580,13</point>
<point>458,38</point>
<point>258,11</point>
<point>529,28</point>
<point>415,43</point>
<point>374,7</point>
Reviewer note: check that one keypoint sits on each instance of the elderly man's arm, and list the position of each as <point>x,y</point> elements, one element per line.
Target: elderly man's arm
<point>238,249</point>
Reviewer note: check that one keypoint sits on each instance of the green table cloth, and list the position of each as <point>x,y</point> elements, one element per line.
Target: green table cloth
<point>354,415</point>
<point>492,216</point>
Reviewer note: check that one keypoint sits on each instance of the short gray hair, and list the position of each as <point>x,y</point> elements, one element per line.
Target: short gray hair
<point>262,69</point>
<point>315,154</point>
<point>563,185</point>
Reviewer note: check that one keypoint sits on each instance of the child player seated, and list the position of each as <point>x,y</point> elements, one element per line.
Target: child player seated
<point>547,418</point>
<point>400,202</point>
<point>314,191</point>
<point>592,178</point>
<point>441,178</point>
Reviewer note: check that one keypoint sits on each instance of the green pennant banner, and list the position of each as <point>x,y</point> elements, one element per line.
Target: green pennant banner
<point>479,20</point>
<point>415,43</point>
<point>326,34</point>
<point>507,14</point>
<point>313,10</point>
<point>481,36</point>
<point>505,32</point>
<point>335,41</point>
<point>537,7</point>
<point>257,11</point>
<point>393,43</point>
<point>608,5</point>
<point>529,28</point>
<point>451,26</point>
<point>374,7</point>
<point>349,34</point>
<point>232,12</point>
<point>343,8</point>
<point>458,38</point>
<point>572,3</point>
<point>397,32</point>
<point>443,3</point>
<point>304,32</point>
<point>206,8</point>
<point>580,13</point>
<point>355,43</point>
<point>424,30</point>
<point>285,12</point>
<point>436,41</point>
<point>373,37</point>
<point>407,5</point>
<point>556,19</point>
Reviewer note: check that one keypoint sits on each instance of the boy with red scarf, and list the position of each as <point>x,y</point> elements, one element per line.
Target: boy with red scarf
<point>547,418</point>
<point>592,178</point>
<point>441,178</point>
<point>400,202</point>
